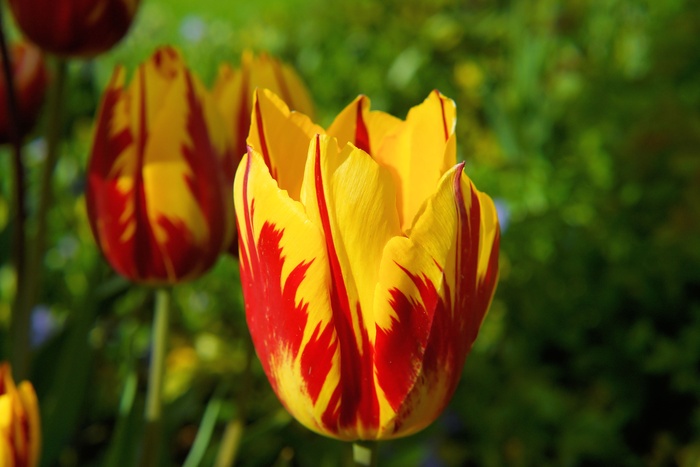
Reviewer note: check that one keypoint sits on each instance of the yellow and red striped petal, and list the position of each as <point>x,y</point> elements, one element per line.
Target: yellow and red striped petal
<point>344,192</point>
<point>285,278</point>
<point>436,285</point>
<point>160,174</point>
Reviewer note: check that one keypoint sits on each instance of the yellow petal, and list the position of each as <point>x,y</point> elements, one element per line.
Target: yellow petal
<point>282,137</point>
<point>30,403</point>
<point>159,70</point>
<point>233,95</point>
<point>419,151</point>
<point>295,95</point>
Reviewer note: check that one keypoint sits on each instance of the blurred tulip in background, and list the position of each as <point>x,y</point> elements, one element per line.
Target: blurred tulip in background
<point>160,174</point>
<point>30,80</point>
<point>74,27</point>
<point>20,431</point>
<point>234,89</point>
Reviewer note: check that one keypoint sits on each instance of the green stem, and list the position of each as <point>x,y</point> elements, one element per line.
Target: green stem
<point>20,318</point>
<point>30,269</point>
<point>231,440</point>
<point>34,271</point>
<point>154,395</point>
<point>53,139</point>
<point>204,433</point>
<point>364,453</point>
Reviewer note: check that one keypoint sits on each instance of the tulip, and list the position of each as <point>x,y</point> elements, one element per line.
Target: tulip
<point>74,27</point>
<point>160,174</point>
<point>30,80</point>
<point>20,435</point>
<point>234,88</point>
<point>368,262</point>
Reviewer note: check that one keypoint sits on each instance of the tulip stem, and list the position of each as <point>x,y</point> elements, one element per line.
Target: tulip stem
<point>364,453</point>
<point>35,258</point>
<point>20,314</point>
<point>156,373</point>
<point>53,139</point>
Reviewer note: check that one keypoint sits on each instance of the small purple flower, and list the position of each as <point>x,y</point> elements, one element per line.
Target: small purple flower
<point>44,325</point>
<point>193,28</point>
<point>503,212</point>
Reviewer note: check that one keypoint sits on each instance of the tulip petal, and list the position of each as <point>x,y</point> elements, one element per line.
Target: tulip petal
<point>294,91</point>
<point>282,137</point>
<point>6,457</point>
<point>29,401</point>
<point>436,286</point>
<point>428,129</point>
<point>364,129</point>
<point>284,272</point>
<point>110,176</point>
<point>268,73</point>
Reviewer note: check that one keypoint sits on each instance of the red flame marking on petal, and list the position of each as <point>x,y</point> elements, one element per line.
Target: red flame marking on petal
<point>444,117</point>
<point>263,142</point>
<point>361,133</point>
<point>144,252</point>
<point>403,345</point>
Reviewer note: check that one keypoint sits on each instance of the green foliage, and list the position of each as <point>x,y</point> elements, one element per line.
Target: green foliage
<point>581,118</point>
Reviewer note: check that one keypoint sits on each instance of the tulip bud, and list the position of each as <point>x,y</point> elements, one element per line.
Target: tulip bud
<point>368,262</point>
<point>74,27</point>
<point>234,88</point>
<point>160,174</point>
<point>30,80</point>
<point>20,434</point>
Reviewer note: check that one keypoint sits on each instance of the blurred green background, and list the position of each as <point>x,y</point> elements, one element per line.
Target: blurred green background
<point>580,118</point>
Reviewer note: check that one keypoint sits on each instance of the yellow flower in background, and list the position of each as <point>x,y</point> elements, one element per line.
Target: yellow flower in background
<point>20,430</point>
<point>234,89</point>
<point>160,174</point>
<point>368,262</point>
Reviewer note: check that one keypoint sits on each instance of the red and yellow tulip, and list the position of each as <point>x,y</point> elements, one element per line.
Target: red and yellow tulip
<point>368,262</point>
<point>234,89</point>
<point>74,27</point>
<point>30,80</point>
<point>160,174</point>
<point>20,433</point>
